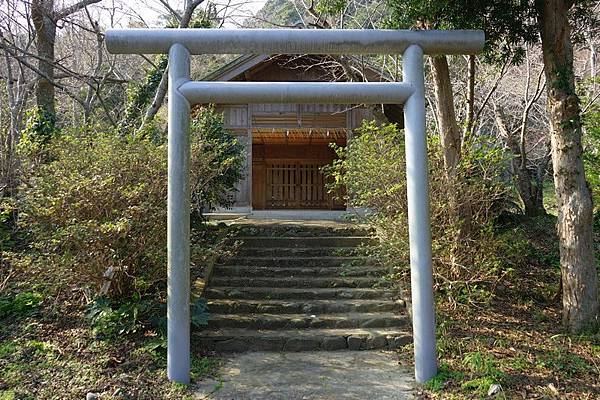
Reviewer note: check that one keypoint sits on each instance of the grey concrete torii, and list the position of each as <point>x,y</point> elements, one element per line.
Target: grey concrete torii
<point>183,93</point>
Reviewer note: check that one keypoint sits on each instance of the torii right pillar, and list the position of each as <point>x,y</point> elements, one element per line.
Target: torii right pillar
<point>419,231</point>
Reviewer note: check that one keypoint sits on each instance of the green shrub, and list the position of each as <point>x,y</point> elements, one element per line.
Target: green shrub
<point>371,168</point>
<point>112,319</point>
<point>97,211</point>
<point>7,395</point>
<point>7,214</point>
<point>20,305</point>
<point>217,172</point>
<point>469,255</point>
<point>591,143</point>
<point>330,6</point>
<point>118,319</point>
<point>40,129</point>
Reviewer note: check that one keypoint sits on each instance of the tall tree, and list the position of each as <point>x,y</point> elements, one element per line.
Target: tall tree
<point>575,207</point>
<point>503,34</point>
<point>501,21</point>
<point>45,18</point>
<point>508,25</point>
<point>450,133</point>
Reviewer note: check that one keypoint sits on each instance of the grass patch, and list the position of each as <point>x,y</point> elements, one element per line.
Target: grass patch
<point>203,366</point>
<point>564,363</point>
<point>52,348</point>
<point>20,305</point>
<point>445,374</point>
<point>549,194</point>
<point>7,395</point>
<point>72,363</point>
<point>483,373</point>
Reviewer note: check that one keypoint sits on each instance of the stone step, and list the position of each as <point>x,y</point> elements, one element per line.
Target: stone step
<point>299,306</point>
<point>302,230</point>
<point>238,340</point>
<point>279,262</point>
<point>270,293</point>
<point>252,271</point>
<point>291,242</point>
<point>306,321</point>
<point>302,287</point>
<point>298,282</point>
<point>299,251</point>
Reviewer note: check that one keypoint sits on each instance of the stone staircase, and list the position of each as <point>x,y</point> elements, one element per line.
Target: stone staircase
<point>299,288</point>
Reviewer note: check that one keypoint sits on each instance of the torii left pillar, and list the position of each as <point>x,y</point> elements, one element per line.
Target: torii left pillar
<point>178,220</point>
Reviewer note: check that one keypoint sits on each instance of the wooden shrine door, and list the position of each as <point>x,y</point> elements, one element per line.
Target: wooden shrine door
<point>296,184</point>
<point>291,182</point>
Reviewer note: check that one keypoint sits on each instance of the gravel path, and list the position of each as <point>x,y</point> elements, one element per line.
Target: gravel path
<point>356,375</point>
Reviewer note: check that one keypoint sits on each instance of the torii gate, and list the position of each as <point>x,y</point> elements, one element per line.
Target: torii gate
<point>183,93</point>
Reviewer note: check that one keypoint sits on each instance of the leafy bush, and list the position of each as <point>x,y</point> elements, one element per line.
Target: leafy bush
<point>6,220</point>
<point>112,319</point>
<point>97,211</point>
<point>20,305</point>
<point>371,168</point>
<point>220,168</point>
<point>330,6</point>
<point>40,129</point>
<point>591,142</point>
<point>118,319</point>
<point>469,254</point>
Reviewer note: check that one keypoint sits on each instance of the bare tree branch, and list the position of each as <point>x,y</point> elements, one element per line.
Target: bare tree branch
<point>166,4</point>
<point>161,91</point>
<point>65,12</point>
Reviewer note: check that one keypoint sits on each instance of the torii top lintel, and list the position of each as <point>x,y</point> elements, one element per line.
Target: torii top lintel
<point>293,41</point>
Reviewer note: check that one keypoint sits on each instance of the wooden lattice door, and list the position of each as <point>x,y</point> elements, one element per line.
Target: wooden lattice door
<point>296,184</point>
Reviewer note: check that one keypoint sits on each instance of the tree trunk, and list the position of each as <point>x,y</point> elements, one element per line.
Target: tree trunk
<point>15,89</point>
<point>470,96</point>
<point>451,140</point>
<point>540,177</point>
<point>530,193</point>
<point>578,265</point>
<point>44,18</point>
<point>446,116</point>
<point>45,30</point>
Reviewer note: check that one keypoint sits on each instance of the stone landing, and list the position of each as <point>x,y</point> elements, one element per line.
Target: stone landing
<point>350,375</point>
